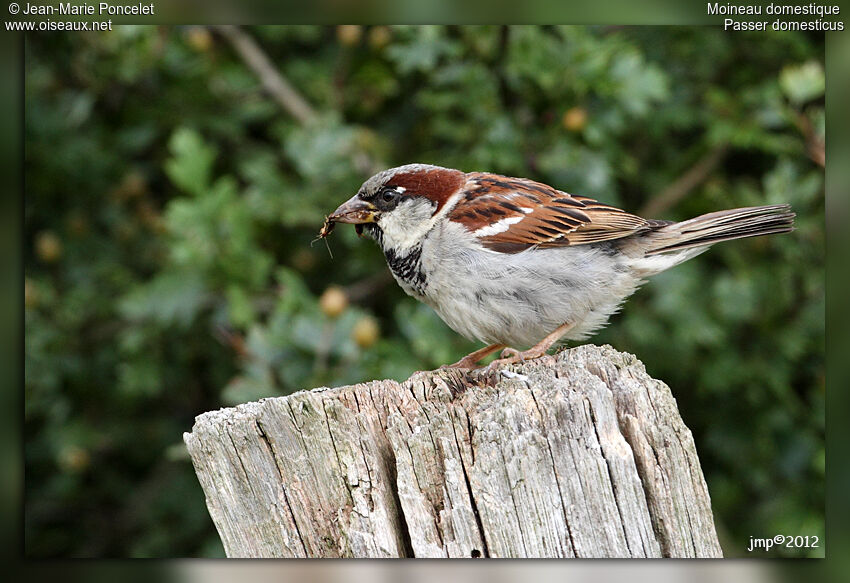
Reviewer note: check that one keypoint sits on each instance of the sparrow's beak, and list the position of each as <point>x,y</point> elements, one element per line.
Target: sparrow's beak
<point>355,211</point>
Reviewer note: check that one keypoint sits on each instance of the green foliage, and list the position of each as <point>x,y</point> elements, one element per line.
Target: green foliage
<point>172,209</point>
<point>803,83</point>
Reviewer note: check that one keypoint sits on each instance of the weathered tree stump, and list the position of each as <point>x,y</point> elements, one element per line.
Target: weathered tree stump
<point>576,455</point>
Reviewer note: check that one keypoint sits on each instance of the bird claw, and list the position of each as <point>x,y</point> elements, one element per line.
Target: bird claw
<point>512,353</point>
<point>508,356</point>
<point>514,356</point>
<point>463,363</point>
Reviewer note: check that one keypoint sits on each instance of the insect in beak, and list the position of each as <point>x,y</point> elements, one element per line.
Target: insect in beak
<point>354,211</point>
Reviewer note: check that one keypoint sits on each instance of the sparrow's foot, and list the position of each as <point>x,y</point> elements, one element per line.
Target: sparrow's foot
<point>513,356</point>
<point>471,359</point>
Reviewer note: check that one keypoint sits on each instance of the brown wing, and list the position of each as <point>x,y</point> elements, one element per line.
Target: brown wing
<point>512,214</point>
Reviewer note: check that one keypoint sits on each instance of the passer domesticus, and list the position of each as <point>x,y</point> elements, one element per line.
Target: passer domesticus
<point>513,262</point>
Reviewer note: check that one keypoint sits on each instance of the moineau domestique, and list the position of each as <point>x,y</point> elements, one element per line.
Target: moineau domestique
<point>811,9</point>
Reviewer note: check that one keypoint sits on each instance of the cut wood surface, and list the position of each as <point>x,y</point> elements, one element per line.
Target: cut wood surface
<point>581,454</point>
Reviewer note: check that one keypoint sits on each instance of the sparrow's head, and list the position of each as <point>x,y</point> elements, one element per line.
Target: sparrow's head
<point>400,205</point>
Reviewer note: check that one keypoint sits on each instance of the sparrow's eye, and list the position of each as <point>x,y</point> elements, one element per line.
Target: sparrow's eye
<point>387,199</point>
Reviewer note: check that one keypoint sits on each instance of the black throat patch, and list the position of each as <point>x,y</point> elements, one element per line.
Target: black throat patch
<point>408,267</point>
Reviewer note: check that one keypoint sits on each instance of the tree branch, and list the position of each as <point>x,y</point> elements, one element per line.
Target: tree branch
<point>692,178</point>
<point>273,81</point>
<point>281,90</point>
<point>814,144</point>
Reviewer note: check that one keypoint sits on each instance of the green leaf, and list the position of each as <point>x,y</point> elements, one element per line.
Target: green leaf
<point>190,165</point>
<point>803,83</point>
<point>239,305</point>
<point>172,297</point>
<point>426,46</point>
<point>640,84</point>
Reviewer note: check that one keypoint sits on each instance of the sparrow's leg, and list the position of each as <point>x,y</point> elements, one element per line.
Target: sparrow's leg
<point>512,355</point>
<point>471,359</point>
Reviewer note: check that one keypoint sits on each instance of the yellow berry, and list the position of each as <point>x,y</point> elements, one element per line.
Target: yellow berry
<point>30,294</point>
<point>349,34</point>
<point>73,458</point>
<point>48,247</point>
<point>365,332</point>
<point>333,302</point>
<point>379,37</point>
<point>199,38</point>
<point>575,118</point>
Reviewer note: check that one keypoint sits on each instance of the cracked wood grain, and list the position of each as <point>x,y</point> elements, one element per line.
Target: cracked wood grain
<point>581,454</point>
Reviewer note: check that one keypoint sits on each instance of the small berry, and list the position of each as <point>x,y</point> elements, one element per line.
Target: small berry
<point>349,35</point>
<point>379,37</point>
<point>48,247</point>
<point>31,296</point>
<point>365,332</point>
<point>199,38</point>
<point>333,302</point>
<point>575,118</point>
<point>73,458</point>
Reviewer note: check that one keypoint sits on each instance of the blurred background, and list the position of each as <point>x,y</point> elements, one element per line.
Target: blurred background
<point>176,178</point>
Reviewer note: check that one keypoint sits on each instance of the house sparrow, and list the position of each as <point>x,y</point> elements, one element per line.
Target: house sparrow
<point>513,262</point>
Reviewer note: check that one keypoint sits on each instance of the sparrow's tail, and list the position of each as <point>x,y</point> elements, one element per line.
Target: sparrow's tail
<point>706,230</point>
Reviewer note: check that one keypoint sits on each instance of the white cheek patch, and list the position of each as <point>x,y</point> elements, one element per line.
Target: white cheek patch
<point>498,227</point>
<point>405,226</point>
